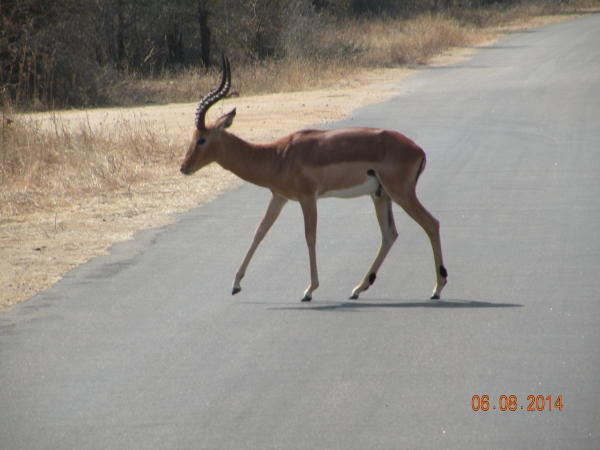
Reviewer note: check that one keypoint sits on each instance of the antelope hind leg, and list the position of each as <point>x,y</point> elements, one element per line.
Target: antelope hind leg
<point>431,226</point>
<point>389,234</point>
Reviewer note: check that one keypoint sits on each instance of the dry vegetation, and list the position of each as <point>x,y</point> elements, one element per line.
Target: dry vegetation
<point>59,175</point>
<point>48,164</point>
<point>337,49</point>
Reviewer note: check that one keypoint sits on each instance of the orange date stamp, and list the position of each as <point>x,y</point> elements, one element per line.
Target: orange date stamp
<point>510,403</point>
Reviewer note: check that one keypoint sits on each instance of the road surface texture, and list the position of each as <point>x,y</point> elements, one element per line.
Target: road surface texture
<point>146,349</point>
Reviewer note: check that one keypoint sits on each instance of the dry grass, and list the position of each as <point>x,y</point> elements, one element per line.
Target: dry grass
<point>409,42</point>
<point>291,75</point>
<point>48,167</point>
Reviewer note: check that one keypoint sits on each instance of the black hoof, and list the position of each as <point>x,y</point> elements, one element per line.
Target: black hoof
<point>236,290</point>
<point>307,299</point>
<point>353,297</point>
<point>434,297</point>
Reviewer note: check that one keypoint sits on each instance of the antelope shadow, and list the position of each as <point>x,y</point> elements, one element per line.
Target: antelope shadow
<point>391,304</point>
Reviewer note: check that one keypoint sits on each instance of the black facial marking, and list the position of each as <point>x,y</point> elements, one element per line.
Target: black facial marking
<point>372,278</point>
<point>443,272</point>
<point>371,172</point>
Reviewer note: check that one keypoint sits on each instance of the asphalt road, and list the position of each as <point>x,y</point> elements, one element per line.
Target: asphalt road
<point>146,349</point>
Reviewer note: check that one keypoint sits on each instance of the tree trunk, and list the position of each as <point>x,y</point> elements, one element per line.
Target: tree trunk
<point>120,35</point>
<point>204,33</point>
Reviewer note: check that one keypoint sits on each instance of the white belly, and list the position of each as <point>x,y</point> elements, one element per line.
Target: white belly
<point>367,188</point>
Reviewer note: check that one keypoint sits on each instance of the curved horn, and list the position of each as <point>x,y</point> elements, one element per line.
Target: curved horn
<point>213,97</point>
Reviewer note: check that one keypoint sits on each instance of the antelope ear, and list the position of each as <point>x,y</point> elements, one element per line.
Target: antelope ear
<point>225,121</point>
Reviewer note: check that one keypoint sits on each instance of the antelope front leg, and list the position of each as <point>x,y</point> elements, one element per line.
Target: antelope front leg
<point>276,204</point>
<point>383,210</point>
<point>309,209</point>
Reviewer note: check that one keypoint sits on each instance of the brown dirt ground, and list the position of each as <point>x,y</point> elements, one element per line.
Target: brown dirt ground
<point>36,249</point>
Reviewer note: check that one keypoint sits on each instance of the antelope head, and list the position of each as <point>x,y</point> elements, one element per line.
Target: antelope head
<point>206,139</point>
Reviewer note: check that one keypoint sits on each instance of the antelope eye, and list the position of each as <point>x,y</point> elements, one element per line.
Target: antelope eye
<point>200,141</point>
